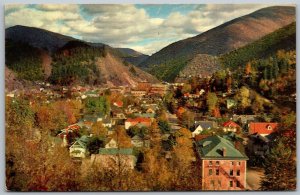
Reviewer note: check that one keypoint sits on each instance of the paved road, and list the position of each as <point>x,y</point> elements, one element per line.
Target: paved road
<point>254,177</point>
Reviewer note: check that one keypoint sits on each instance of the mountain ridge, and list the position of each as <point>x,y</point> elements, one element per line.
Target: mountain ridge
<point>39,46</point>
<point>223,38</point>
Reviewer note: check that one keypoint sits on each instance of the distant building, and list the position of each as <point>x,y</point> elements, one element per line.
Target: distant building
<point>203,125</point>
<point>262,128</point>
<point>144,86</point>
<point>138,141</point>
<point>79,148</point>
<point>135,121</point>
<point>119,104</point>
<point>160,89</point>
<point>138,93</point>
<point>115,158</point>
<point>230,126</point>
<point>223,166</point>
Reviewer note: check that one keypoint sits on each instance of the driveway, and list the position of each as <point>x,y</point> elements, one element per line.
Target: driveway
<point>254,177</point>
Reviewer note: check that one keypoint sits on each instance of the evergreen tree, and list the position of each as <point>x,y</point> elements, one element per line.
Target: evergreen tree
<point>280,168</point>
<point>275,68</point>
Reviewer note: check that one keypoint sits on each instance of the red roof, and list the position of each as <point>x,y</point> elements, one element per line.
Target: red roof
<point>200,137</point>
<point>74,127</point>
<point>139,120</point>
<point>262,128</point>
<point>230,124</point>
<point>118,103</point>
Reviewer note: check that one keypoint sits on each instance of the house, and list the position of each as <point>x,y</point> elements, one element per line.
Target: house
<point>139,120</point>
<point>92,94</point>
<point>145,115</point>
<point>79,148</point>
<point>138,141</point>
<point>115,158</point>
<point>262,128</point>
<point>111,144</point>
<point>119,104</point>
<point>107,122</point>
<point>144,86</point>
<point>257,145</point>
<point>230,103</point>
<point>203,125</point>
<point>116,90</point>
<point>244,119</point>
<point>138,93</point>
<point>150,110</point>
<point>160,89</point>
<point>92,118</point>
<point>223,167</point>
<point>230,126</point>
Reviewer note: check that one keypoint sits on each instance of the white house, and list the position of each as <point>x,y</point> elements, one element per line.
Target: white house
<point>111,144</point>
<point>201,126</point>
<point>78,148</point>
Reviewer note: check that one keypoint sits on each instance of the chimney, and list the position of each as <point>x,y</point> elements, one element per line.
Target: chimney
<point>224,151</point>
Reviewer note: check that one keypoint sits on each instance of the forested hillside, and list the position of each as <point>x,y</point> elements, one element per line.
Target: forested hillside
<point>76,62</point>
<point>24,60</point>
<point>284,38</point>
<point>219,40</point>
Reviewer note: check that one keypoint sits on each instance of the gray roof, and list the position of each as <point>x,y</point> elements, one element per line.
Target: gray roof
<point>205,124</point>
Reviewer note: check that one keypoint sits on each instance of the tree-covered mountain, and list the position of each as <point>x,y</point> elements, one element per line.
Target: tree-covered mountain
<point>37,37</point>
<point>36,54</point>
<point>219,40</point>
<point>283,38</point>
<point>132,56</point>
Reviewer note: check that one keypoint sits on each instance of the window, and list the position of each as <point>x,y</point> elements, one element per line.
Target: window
<point>212,183</point>
<point>217,171</point>
<point>210,171</point>
<point>219,183</point>
<point>239,163</point>
<point>238,184</point>
<point>217,163</point>
<point>238,172</point>
<point>231,172</point>
<point>230,183</point>
<point>210,163</point>
<point>269,127</point>
<point>232,163</point>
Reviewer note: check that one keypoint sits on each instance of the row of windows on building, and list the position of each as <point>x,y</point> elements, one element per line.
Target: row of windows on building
<point>219,184</point>
<point>217,163</point>
<point>210,172</point>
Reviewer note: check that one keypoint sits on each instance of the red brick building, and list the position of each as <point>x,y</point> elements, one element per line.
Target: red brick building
<point>223,166</point>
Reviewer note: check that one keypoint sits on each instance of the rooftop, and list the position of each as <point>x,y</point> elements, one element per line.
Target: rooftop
<point>115,151</point>
<point>212,148</point>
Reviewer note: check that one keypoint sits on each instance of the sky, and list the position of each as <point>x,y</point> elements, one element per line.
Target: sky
<point>142,27</point>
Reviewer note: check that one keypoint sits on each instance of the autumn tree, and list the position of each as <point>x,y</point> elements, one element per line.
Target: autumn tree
<point>99,130</point>
<point>50,117</point>
<point>211,101</point>
<point>123,140</point>
<point>229,83</point>
<point>243,97</point>
<point>248,68</point>
<point>187,119</point>
<point>186,88</point>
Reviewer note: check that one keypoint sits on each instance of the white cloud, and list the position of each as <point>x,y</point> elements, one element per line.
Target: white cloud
<point>57,7</point>
<point>124,25</point>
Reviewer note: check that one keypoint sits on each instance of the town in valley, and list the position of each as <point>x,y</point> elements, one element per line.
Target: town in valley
<point>87,117</point>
